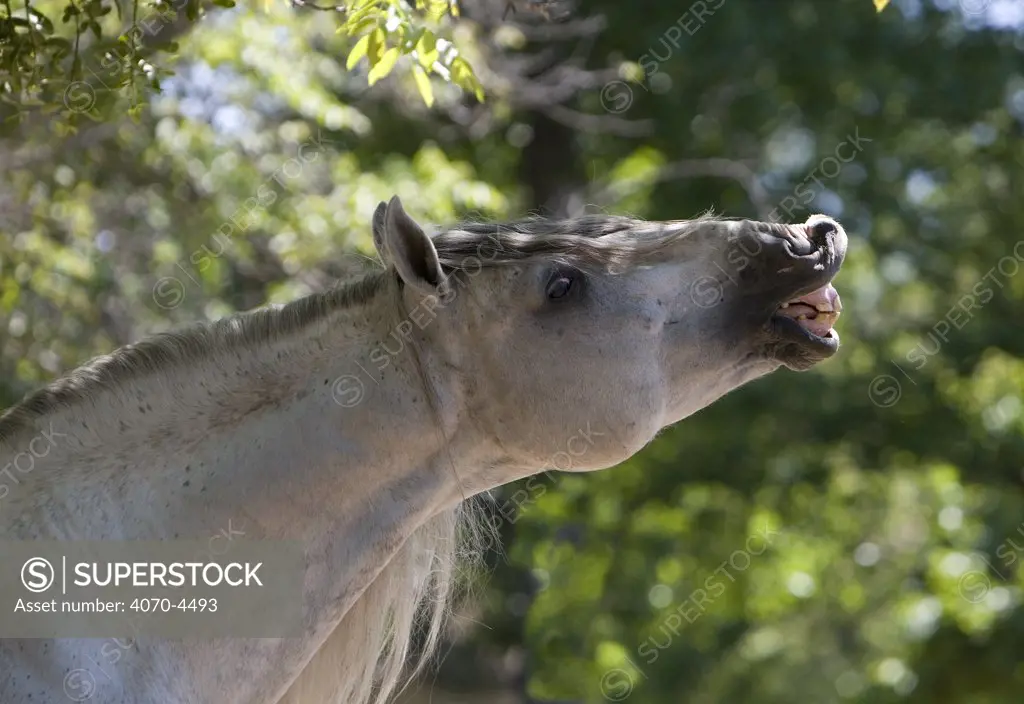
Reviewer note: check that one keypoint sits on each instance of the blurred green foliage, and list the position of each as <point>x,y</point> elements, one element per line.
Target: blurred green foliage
<point>100,59</point>
<point>851,534</point>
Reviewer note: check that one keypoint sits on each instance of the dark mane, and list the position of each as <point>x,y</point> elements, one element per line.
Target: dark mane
<point>591,242</point>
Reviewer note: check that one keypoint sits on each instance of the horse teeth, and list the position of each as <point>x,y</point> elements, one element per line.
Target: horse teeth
<point>801,317</point>
<point>784,305</point>
<point>823,308</point>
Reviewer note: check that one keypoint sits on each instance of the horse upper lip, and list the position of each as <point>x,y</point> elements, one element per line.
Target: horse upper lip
<point>824,263</point>
<point>824,300</point>
<point>816,311</point>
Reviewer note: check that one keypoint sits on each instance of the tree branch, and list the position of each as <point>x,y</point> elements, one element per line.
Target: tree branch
<point>598,124</point>
<point>322,8</point>
<point>696,168</point>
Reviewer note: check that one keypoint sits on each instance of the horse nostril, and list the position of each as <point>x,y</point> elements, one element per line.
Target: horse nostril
<point>820,231</point>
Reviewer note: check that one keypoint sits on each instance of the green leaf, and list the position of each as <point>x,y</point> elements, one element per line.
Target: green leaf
<point>59,43</point>
<point>358,51</point>
<point>224,3</point>
<point>426,49</point>
<point>45,23</point>
<point>384,66</point>
<point>880,4</point>
<point>358,18</point>
<point>64,129</point>
<point>462,74</point>
<point>356,28</point>
<point>423,85</point>
<point>375,48</point>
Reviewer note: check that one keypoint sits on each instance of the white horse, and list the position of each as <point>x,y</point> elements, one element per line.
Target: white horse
<point>360,420</point>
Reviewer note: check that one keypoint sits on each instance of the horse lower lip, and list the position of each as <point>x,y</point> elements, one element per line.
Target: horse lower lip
<point>792,327</point>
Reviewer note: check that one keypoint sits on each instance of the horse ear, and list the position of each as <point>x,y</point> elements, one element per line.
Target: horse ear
<point>378,230</point>
<point>403,244</point>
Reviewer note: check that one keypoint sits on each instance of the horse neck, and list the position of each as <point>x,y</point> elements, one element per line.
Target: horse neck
<point>300,420</point>
<point>296,438</point>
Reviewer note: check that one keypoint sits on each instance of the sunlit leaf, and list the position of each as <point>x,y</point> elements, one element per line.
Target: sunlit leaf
<point>383,67</point>
<point>423,85</point>
<point>426,49</point>
<point>358,51</point>
<point>376,45</point>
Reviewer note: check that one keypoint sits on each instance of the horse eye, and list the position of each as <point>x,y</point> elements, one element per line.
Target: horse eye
<point>559,286</point>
